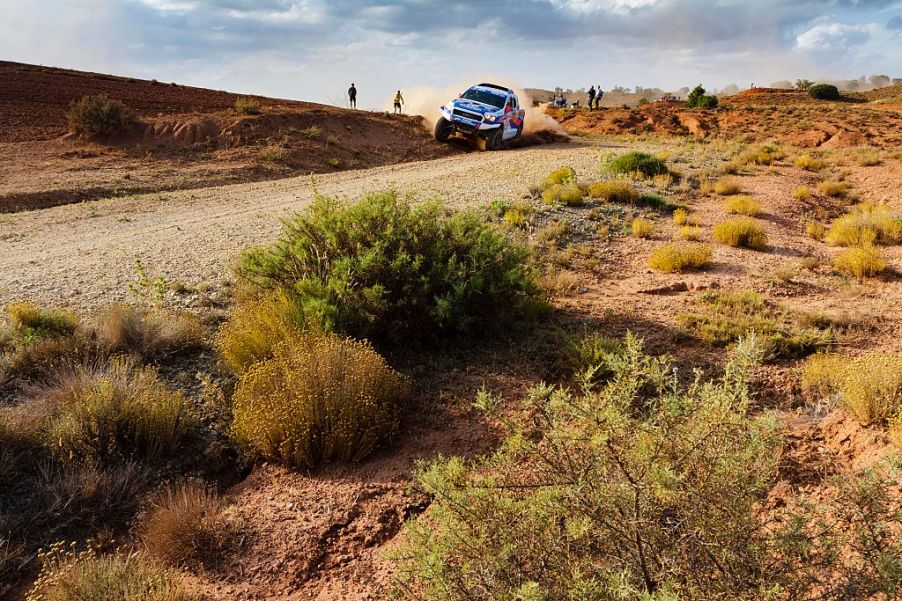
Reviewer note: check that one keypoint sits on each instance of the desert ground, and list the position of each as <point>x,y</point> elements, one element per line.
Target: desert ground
<point>179,222</point>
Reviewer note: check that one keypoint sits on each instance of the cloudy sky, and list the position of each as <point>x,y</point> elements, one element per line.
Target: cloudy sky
<point>313,49</point>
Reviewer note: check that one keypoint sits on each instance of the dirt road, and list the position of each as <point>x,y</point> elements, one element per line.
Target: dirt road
<point>84,255</point>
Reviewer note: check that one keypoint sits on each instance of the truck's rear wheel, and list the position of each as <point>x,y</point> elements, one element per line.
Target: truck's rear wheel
<point>442,130</point>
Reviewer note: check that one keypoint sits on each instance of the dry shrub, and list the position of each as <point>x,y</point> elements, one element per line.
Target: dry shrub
<point>116,412</point>
<point>869,386</point>
<point>248,106</point>
<point>559,282</point>
<point>186,525</point>
<point>810,163</point>
<point>89,576</point>
<point>30,322</point>
<point>663,181</point>
<point>40,361</point>
<point>518,214</point>
<point>833,188</point>
<point>865,224</point>
<point>861,262</point>
<point>868,157</point>
<point>801,193</point>
<point>742,205</point>
<point>895,430</point>
<point>681,217</point>
<point>568,194</point>
<point>256,327</point>
<point>730,168</point>
<point>690,233</point>
<point>98,115</point>
<point>680,257</point>
<point>150,334</point>
<point>614,191</point>
<point>815,230</point>
<point>741,232</point>
<point>641,228</point>
<point>276,154</point>
<point>320,398</point>
<point>728,186</point>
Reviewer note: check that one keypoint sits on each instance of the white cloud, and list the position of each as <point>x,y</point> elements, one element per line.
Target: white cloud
<point>833,36</point>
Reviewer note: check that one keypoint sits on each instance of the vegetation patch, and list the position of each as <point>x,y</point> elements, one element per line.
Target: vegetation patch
<point>833,188</point>
<point>740,232</point>
<point>320,398</point>
<point>742,205</point>
<point>641,227</point>
<point>810,163</point>
<point>560,176</point>
<point>98,115</point>
<point>387,270</point>
<point>824,91</point>
<point>566,194</point>
<point>728,186</point>
<point>614,191</point>
<point>640,163</point>
<point>690,233</point>
<point>866,224</point>
<point>725,317</point>
<point>869,386</point>
<point>248,106</point>
<point>860,262</point>
<point>680,257</point>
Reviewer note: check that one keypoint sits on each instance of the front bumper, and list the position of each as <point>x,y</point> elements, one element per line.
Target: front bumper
<point>462,123</point>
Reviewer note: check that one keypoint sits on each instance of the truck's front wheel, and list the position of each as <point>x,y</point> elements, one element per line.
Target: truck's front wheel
<point>493,140</point>
<point>442,130</point>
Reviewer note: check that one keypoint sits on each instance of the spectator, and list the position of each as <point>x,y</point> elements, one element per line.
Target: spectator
<point>591,95</point>
<point>352,96</point>
<point>399,100</point>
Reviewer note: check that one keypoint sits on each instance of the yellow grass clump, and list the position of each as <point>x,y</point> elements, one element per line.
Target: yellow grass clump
<point>568,194</point>
<point>561,175</point>
<point>815,230</point>
<point>832,187</point>
<point>861,262</point>
<point>742,232</point>
<point>256,327</point>
<point>680,257</point>
<point>681,217</point>
<point>614,191</point>
<point>742,205</point>
<point>895,430</point>
<point>869,386</point>
<point>320,398</point>
<point>641,227</point>
<point>32,322</point>
<point>690,232</point>
<point>801,193</point>
<point>810,163</point>
<point>865,224</point>
<point>728,186</point>
<point>518,214</point>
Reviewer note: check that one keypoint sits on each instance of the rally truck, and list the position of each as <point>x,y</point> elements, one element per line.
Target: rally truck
<point>487,113</point>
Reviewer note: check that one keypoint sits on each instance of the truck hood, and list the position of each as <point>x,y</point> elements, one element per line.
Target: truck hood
<point>473,106</point>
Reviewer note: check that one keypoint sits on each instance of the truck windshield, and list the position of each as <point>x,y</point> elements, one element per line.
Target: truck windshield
<point>484,97</point>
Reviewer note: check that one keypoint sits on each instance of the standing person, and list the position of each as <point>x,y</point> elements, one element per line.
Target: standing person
<point>598,96</point>
<point>399,100</point>
<point>352,96</point>
<point>591,97</point>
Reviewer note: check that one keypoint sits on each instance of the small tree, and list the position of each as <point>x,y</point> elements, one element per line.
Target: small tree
<point>803,84</point>
<point>699,99</point>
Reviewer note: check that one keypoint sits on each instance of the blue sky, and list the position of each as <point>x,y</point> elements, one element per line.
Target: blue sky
<point>313,49</point>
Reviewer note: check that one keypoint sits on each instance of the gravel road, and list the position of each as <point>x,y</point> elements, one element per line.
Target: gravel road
<point>84,255</point>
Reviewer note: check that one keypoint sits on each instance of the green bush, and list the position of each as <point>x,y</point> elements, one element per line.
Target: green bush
<point>561,176</point>
<point>98,115</point>
<point>320,398</point>
<point>31,323</point>
<point>248,106</point>
<point>725,317</point>
<point>388,271</point>
<point>635,490</point>
<point>699,99</point>
<point>823,91</point>
<point>638,162</point>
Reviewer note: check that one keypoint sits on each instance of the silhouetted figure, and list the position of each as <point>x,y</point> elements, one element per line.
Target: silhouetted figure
<point>399,100</point>
<point>352,96</point>
<point>591,101</point>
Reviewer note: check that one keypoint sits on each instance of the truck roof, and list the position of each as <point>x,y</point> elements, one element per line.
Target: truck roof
<point>493,86</point>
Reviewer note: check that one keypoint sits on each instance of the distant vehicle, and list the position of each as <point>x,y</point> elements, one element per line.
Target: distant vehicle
<point>487,113</point>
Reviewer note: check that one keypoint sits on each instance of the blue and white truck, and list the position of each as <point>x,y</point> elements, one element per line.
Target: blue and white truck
<point>487,113</point>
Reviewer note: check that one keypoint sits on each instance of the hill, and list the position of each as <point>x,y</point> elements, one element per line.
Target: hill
<point>183,137</point>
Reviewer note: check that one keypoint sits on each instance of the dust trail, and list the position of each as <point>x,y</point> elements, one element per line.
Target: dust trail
<point>425,101</point>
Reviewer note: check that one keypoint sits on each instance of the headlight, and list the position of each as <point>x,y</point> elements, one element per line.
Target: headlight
<point>489,118</point>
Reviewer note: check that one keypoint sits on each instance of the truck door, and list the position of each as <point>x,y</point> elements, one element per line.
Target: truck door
<point>511,113</point>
